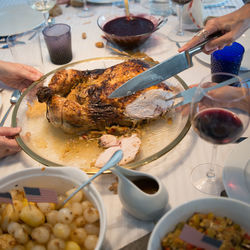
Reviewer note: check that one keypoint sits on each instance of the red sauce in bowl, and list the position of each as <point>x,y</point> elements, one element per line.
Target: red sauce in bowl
<point>124,26</point>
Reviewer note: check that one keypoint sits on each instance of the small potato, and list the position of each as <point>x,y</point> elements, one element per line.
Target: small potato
<point>41,234</point>
<point>70,245</point>
<point>60,200</point>
<point>79,221</point>
<point>91,214</point>
<point>77,197</point>
<point>20,236</point>
<point>12,227</point>
<point>19,247</point>
<point>61,231</point>
<point>56,244</point>
<point>30,244</point>
<point>92,229</point>
<point>91,241</point>
<point>27,229</point>
<point>86,204</point>
<point>32,216</point>
<point>65,216</point>
<point>52,217</point>
<point>46,207</point>
<point>8,214</point>
<point>7,242</point>
<point>76,209</point>
<point>38,247</point>
<point>78,235</point>
<point>18,205</point>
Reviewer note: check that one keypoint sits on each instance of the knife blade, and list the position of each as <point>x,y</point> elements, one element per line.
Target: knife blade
<point>162,71</point>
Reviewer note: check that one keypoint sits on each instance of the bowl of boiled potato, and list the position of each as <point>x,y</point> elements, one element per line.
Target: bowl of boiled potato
<point>78,224</point>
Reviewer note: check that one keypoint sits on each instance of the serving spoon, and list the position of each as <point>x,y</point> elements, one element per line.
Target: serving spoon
<point>113,161</point>
<point>13,100</point>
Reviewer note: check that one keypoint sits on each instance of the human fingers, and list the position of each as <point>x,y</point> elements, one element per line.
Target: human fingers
<point>8,147</point>
<point>31,73</point>
<point>9,131</point>
<point>220,42</point>
<point>210,28</point>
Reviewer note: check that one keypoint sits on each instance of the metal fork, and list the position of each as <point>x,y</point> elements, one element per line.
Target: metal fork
<point>188,94</point>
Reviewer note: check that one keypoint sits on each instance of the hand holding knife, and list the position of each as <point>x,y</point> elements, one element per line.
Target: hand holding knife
<point>162,71</point>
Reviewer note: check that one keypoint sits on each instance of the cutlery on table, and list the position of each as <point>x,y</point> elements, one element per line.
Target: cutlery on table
<point>161,71</point>
<point>189,93</point>
<point>13,100</point>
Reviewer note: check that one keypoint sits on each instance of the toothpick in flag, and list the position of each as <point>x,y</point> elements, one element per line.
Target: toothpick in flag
<point>40,195</point>
<point>5,197</point>
<point>198,239</point>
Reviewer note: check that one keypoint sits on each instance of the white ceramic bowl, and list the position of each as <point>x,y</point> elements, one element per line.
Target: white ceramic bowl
<point>60,179</point>
<point>238,211</point>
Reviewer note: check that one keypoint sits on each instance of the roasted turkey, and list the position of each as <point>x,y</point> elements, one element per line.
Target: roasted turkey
<point>77,101</point>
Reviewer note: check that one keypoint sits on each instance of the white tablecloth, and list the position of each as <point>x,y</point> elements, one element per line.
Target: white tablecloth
<point>173,168</point>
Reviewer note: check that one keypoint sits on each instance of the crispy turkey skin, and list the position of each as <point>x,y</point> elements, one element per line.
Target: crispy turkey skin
<point>77,101</point>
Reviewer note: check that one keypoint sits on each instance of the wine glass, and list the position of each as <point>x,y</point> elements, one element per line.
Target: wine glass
<point>180,35</point>
<point>220,117</point>
<point>85,12</point>
<point>43,6</point>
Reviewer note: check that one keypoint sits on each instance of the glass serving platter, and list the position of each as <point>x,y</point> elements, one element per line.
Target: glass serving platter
<point>52,147</point>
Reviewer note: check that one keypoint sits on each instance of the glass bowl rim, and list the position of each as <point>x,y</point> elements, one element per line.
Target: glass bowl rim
<point>131,165</point>
<point>160,22</point>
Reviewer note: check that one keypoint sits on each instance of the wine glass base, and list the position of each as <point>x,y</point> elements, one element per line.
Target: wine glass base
<point>173,36</point>
<point>205,184</point>
<point>86,13</point>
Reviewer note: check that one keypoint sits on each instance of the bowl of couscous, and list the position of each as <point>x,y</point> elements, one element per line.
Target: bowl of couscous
<point>223,221</point>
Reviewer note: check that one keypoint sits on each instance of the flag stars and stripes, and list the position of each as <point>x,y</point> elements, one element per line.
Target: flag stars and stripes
<point>40,195</point>
<point>5,197</point>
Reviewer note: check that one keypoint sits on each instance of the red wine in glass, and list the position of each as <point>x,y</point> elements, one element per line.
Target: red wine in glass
<point>181,2</point>
<point>219,117</point>
<point>217,125</point>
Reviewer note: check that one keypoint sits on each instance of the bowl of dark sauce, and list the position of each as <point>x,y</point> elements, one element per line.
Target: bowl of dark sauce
<point>129,32</point>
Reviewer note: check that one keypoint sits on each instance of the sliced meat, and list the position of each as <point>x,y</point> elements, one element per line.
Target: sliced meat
<point>130,147</point>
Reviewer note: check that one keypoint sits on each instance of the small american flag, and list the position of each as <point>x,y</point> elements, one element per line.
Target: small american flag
<point>5,198</point>
<point>196,238</point>
<point>40,195</point>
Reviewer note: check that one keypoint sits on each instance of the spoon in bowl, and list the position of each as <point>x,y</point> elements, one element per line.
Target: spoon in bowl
<point>13,100</point>
<point>127,9</point>
<point>113,161</point>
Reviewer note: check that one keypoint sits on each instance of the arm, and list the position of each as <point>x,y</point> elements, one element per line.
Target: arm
<point>17,75</point>
<point>233,25</point>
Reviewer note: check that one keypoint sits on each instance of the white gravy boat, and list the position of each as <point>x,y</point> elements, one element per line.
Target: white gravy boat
<point>142,195</point>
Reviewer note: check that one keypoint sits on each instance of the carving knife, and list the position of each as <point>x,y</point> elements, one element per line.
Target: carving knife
<point>162,71</point>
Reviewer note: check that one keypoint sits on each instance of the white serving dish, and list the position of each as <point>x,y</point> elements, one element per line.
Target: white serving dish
<point>236,210</point>
<point>60,179</point>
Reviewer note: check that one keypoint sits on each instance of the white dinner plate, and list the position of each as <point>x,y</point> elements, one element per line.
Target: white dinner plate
<point>243,40</point>
<point>213,3</point>
<point>236,172</point>
<point>102,1</point>
<point>19,18</point>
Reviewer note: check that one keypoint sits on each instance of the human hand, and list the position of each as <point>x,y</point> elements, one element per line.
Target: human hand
<point>8,144</point>
<point>232,26</point>
<point>18,76</point>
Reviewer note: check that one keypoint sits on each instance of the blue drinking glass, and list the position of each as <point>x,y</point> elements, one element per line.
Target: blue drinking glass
<point>227,60</point>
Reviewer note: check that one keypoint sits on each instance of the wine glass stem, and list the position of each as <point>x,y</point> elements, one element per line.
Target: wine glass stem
<point>85,7</point>
<point>45,18</point>
<point>179,13</point>
<point>211,172</point>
